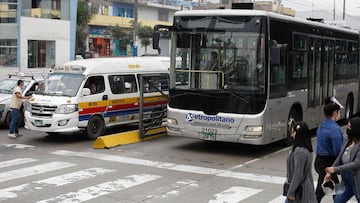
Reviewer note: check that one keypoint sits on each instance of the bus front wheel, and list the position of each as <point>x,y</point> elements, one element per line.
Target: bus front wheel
<point>95,127</point>
<point>348,108</point>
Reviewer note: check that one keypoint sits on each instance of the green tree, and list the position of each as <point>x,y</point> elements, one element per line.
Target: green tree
<point>84,16</point>
<point>120,35</point>
<point>145,35</point>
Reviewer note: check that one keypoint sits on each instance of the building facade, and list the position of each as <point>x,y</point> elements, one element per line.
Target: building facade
<point>122,14</point>
<point>36,34</point>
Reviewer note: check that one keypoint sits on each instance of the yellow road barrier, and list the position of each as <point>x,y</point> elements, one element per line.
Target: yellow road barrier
<point>128,137</point>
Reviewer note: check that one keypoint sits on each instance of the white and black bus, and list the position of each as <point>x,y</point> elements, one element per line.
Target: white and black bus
<point>269,68</point>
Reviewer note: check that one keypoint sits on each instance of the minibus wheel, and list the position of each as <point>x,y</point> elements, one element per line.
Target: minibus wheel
<point>8,119</point>
<point>95,127</point>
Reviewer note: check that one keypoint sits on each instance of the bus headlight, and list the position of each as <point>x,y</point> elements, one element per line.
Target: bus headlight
<point>171,121</point>
<point>254,128</point>
<point>66,108</point>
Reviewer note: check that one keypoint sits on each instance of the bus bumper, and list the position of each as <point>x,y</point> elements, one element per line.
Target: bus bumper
<point>57,123</point>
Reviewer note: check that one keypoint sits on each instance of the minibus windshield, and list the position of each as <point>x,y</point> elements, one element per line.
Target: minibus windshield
<point>62,84</point>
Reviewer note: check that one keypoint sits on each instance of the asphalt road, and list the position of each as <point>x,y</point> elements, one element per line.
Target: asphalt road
<point>65,168</point>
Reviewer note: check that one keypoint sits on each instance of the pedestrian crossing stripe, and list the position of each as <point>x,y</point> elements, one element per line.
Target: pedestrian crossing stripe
<point>168,190</point>
<point>33,170</point>
<point>19,146</point>
<point>13,192</point>
<point>102,189</point>
<point>176,167</point>
<point>234,195</point>
<point>229,195</point>
<point>15,162</point>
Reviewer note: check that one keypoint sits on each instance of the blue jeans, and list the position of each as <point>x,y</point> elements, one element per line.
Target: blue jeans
<point>350,190</point>
<point>14,123</point>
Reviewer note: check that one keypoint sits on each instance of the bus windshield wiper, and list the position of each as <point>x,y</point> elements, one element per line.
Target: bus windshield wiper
<point>192,93</point>
<point>235,95</point>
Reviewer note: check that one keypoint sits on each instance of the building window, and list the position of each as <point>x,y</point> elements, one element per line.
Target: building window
<point>126,12</point>
<point>41,54</point>
<point>8,11</point>
<point>104,10</point>
<point>51,9</point>
<point>163,15</point>
<point>8,49</point>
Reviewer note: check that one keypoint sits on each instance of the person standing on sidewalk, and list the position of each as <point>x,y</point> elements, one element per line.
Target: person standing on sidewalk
<point>329,140</point>
<point>15,105</point>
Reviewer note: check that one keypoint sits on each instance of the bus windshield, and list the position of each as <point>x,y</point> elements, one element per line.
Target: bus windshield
<point>220,56</point>
<point>62,84</point>
<point>217,56</point>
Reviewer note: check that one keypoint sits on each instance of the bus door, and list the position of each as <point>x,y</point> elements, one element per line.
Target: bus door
<point>277,93</point>
<point>314,82</point>
<point>327,69</point>
<point>123,104</point>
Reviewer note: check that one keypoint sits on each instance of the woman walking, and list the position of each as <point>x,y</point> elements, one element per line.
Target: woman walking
<point>299,164</point>
<point>348,163</point>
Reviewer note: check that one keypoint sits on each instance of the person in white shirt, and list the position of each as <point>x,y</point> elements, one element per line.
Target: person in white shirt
<point>15,105</point>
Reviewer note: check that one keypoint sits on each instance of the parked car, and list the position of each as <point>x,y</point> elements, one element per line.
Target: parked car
<point>6,89</point>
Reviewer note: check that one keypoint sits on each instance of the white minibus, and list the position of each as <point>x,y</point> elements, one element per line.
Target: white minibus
<point>93,94</point>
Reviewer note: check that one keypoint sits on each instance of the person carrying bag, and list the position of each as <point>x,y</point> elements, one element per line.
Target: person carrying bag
<point>300,185</point>
<point>348,163</point>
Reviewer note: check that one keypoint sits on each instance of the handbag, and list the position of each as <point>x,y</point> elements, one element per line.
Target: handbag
<point>298,192</point>
<point>285,188</point>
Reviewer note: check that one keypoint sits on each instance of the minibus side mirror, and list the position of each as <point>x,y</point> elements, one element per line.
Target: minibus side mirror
<point>85,92</point>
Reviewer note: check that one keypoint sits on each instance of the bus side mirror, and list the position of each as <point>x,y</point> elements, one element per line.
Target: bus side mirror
<point>85,92</point>
<point>275,56</point>
<point>156,39</point>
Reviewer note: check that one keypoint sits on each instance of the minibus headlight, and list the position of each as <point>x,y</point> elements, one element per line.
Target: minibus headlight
<point>254,128</point>
<point>66,108</point>
<point>27,106</point>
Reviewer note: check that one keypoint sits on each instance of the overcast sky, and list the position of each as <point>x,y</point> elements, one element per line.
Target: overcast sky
<point>352,6</point>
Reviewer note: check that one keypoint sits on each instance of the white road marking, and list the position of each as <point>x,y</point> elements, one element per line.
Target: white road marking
<point>19,146</point>
<point>92,192</point>
<point>12,192</point>
<point>15,162</point>
<point>178,186</point>
<point>176,167</point>
<point>279,199</point>
<point>258,159</point>
<point>34,170</point>
<point>234,195</point>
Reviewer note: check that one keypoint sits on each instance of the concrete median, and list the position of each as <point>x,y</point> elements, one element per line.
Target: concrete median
<point>128,137</point>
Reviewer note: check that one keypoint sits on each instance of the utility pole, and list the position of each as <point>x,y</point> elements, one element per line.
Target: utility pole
<point>136,29</point>
<point>334,11</point>
<point>344,11</point>
<point>278,6</point>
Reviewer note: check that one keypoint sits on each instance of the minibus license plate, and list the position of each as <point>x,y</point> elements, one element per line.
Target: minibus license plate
<point>209,136</point>
<point>39,122</point>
